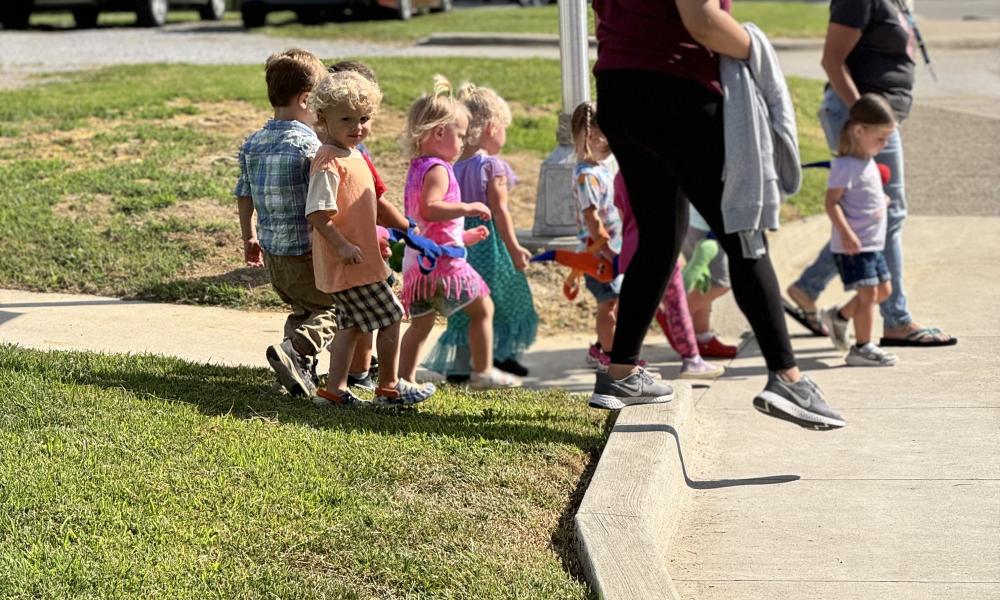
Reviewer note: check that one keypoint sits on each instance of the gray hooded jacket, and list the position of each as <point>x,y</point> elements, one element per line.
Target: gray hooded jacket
<point>762,149</point>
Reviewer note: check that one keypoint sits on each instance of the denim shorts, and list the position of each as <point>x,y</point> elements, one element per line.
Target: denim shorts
<point>604,291</point>
<point>866,269</point>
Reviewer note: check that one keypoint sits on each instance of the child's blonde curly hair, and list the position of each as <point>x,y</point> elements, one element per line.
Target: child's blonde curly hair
<point>486,108</point>
<point>430,111</point>
<point>344,88</point>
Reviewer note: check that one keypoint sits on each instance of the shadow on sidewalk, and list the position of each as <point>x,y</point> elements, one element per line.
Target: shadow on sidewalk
<point>711,484</point>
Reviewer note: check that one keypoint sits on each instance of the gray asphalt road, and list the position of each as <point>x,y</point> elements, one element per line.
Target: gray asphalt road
<point>24,53</point>
<point>958,9</point>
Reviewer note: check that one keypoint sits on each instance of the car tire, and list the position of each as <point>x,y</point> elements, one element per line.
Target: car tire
<point>254,15</point>
<point>15,14</point>
<point>151,13</point>
<point>310,16</point>
<point>85,17</point>
<point>213,10</point>
<point>405,10</point>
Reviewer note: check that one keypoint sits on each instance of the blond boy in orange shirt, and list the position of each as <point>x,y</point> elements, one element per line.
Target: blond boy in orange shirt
<point>342,208</point>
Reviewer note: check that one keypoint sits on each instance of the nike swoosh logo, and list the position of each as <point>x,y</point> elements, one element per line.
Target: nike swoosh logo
<point>631,389</point>
<point>804,401</point>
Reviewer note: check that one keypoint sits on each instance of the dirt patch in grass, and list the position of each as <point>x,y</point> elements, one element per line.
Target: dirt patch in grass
<point>230,119</point>
<point>94,208</point>
<point>522,198</point>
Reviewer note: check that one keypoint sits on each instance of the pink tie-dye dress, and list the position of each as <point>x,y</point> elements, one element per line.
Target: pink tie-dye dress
<point>451,276</point>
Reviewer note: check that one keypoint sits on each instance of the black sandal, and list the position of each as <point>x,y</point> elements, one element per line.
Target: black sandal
<point>806,318</point>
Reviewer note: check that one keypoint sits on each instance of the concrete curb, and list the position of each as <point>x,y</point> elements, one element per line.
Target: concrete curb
<point>628,515</point>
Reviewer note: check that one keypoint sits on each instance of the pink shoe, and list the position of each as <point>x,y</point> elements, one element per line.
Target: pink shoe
<point>598,359</point>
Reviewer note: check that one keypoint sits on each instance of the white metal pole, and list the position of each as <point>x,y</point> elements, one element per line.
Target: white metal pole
<point>555,214</point>
<point>574,57</point>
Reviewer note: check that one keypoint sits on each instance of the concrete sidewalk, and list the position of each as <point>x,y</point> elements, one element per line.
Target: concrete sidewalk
<point>235,337</point>
<point>902,503</point>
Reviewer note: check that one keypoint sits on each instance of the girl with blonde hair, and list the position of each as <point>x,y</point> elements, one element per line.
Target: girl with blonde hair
<point>435,135</point>
<point>499,259</point>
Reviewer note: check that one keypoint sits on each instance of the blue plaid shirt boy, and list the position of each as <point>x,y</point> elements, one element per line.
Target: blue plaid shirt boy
<point>274,171</point>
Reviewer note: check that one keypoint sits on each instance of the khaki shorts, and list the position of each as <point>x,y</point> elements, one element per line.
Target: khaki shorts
<point>313,321</point>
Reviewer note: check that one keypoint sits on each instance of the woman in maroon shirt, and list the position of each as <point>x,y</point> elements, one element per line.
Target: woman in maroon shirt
<point>659,102</point>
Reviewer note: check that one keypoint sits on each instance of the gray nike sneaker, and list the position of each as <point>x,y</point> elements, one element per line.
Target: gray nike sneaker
<point>801,403</point>
<point>869,355</point>
<point>837,327</point>
<point>637,388</point>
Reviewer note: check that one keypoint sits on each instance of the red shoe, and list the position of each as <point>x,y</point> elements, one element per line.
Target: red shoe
<point>714,348</point>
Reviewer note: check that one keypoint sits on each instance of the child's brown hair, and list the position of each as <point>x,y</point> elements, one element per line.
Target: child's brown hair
<point>290,73</point>
<point>870,110</point>
<point>353,65</point>
<point>584,118</point>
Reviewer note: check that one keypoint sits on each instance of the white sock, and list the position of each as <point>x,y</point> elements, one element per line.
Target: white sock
<point>705,337</point>
<point>359,375</point>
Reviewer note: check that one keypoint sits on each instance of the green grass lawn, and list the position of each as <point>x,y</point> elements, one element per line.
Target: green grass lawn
<point>777,19</point>
<point>118,181</point>
<point>147,477</point>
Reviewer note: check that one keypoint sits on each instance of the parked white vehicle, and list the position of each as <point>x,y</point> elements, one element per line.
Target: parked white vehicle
<point>14,14</point>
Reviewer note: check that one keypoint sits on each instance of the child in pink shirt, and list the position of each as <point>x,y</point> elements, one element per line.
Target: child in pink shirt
<point>436,128</point>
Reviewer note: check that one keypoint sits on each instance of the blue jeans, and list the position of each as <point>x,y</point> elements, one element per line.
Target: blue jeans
<point>832,115</point>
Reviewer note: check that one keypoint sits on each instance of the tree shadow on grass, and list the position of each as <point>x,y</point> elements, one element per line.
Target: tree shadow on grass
<point>245,393</point>
<point>232,288</point>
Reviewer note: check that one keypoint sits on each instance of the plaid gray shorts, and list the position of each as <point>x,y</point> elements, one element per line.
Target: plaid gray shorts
<point>367,307</point>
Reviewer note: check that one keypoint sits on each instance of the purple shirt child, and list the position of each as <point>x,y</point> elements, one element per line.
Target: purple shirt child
<point>863,202</point>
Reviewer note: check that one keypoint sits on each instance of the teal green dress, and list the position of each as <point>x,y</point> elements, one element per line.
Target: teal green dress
<point>515,322</point>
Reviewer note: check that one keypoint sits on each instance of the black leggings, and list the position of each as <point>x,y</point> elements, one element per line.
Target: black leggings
<point>666,133</point>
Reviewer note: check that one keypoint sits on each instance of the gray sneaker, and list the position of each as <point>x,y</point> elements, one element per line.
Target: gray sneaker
<point>404,394</point>
<point>324,398</point>
<point>837,327</point>
<point>291,368</point>
<point>869,355</point>
<point>637,388</point>
<point>366,382</point>
<point>801,403</point>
